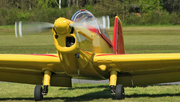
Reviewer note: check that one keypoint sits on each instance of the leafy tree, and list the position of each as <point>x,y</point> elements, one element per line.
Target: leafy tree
<point>148,6</point>
<point>47,3</point>
<point>171,5</point>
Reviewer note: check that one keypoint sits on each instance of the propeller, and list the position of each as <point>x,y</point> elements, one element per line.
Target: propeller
<point>38,27</point>
<point>31,27</point>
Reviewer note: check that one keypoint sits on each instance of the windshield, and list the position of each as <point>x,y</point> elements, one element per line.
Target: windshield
<point>84,16</point>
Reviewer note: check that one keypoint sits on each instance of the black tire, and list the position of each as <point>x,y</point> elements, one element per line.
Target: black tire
<point>120,92</point>
<point>38,93</point>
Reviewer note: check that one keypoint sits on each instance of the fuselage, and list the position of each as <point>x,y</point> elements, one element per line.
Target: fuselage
<point>76,49</point>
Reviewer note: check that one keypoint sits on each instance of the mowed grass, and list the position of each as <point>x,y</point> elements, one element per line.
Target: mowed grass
<point>137,40</point>
<point>14,92</point>
<point>151,39</point>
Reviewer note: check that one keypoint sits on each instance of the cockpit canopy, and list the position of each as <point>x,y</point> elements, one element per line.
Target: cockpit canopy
<point>83,16</point>
<point>86,17</point>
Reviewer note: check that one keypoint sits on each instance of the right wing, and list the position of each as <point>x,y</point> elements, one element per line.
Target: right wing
<point>28,68</point>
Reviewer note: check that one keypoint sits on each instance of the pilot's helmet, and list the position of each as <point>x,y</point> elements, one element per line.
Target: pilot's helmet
<point>84,14</point>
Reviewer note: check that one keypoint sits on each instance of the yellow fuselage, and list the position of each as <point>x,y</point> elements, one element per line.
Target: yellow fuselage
<point>77,59</point>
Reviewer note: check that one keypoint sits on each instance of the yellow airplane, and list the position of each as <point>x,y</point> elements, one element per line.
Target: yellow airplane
<point>84,51</point>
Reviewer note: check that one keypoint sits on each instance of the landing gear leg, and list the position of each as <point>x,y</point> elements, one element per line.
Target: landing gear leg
<point>113,89</point>
<point>45,90</point>
<point>117,90</point>
<point>113,80</point>
<point>38,91</point>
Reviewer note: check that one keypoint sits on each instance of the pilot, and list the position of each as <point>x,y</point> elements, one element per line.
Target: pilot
<point>82,17</point>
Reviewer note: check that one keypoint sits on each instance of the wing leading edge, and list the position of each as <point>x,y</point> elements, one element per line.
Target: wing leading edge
<point>141,69</point>
<point>28,68</point>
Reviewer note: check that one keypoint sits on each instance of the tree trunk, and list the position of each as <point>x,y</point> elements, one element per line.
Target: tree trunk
<point>69,3</point>
<point>59,4</point>
<point>77,2</point>
<point>122,9</point>
<point>22,6</point>
<point>74,2</point>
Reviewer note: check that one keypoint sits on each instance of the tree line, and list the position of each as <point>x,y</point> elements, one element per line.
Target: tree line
<point>139,12</point>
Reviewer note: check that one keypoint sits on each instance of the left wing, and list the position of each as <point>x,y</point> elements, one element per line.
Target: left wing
<point>28,68</point>
<point>140,69</point>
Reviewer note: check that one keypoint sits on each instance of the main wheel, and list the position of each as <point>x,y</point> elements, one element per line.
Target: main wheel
<point>38,93</point>
<point>120,92</point>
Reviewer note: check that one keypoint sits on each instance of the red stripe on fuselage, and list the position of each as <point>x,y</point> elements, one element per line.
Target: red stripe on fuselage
<point>110,54</point>
<point>44,55</point>
<point>86,52</point>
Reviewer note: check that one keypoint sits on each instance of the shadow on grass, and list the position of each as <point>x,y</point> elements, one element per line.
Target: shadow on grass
<point>152,95</point>
<point>160,84</point>
<point>88,87</point>
<point>105,94</point>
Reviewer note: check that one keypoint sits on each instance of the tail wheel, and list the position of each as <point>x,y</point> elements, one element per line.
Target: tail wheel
<point>38,93</point>
<point>120,92</point>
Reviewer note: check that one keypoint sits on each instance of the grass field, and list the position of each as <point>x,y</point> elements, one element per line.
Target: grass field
<point>137,40</point>
<point>13,92</point>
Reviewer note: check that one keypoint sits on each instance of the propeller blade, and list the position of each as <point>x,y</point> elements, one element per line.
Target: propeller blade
<point>16,31</point>
<point>105,21</point>
<point>20,29</point>
<point>108,22</point>
<point>31,27</point>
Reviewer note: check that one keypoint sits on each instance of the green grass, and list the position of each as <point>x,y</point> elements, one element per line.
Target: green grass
<point>137,40</point>
<point>7,26</point>
<point>157,25</point>
<point>151,39</point>
<point>90,92</point>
